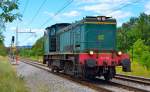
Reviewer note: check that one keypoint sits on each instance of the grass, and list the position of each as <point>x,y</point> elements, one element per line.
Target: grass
<point>137,70</point>
<point>37,58</point>
<point>9,82</point>
<point>34,58</point>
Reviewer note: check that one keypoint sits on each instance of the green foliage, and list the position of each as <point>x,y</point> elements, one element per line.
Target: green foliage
<point>36,51</point>
<point>7,14</point>
<point>141,53</point>
<point>139,48</point>
<point>7,10</point>
<point>137,70</point>
<point>38,48</point>
<point>2,49</point>
<point>130,32</point>
<point>145,59</point>
<point>135,34</point>
<point>1,37</point>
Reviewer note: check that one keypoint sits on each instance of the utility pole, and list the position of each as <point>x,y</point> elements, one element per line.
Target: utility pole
<point>12,48</point>
<point>17,45</point>
<point>30,32</point>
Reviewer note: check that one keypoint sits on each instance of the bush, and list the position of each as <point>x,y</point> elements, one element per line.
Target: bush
<point>141,53</point>
<point>139,47</point>
<point>2,49</point>
<point>145,59</point>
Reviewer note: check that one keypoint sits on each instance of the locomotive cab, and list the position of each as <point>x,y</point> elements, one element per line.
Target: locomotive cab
<point>100,35</point>
<point>100,43</point>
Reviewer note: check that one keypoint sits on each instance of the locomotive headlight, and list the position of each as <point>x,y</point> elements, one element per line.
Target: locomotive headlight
<point>119,53</point>
<point>91,52</point>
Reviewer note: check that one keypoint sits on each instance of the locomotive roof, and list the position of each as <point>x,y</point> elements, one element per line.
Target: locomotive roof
<point>89,19</point>
<point>57,25</point>
<point>99,18</point>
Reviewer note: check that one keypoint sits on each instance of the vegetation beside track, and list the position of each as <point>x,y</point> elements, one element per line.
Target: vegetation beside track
<point>35,53</point>
<point>9,82</point>
<point>34,58</point>
<point>134,37</point>
<point>137,70</point>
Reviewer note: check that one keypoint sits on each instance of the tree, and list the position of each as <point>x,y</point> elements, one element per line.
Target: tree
<point>136,34</point>
<point>143,26</point>
<point>38,48</point>
<point>7,14</point>
<point>141,53</point>
<point>134,29</point>
<point>126,35</point>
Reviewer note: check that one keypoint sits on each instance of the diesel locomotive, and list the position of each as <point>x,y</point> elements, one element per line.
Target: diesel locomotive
<point>85,49</point>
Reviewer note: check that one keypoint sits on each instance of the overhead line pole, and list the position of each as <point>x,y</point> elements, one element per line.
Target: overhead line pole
<point>17,44</point>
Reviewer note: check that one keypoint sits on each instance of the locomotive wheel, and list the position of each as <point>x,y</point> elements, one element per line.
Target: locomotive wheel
<point>76,72</point>
<point>84,75</point>
<point>109,74</point>
<point>68,68</point>
<point>107,77</point>
<point>52,69</point>
<point>55,69</point>
<point>87,73</point>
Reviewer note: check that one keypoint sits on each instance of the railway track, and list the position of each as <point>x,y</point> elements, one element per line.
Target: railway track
<point>141,80</point>
<point>95,85</point>
<point>82,82</point>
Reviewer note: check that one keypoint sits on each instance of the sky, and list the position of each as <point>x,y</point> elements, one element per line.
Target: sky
<point>39,14</point>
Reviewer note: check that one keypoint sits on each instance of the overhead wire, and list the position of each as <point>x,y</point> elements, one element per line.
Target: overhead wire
<point>65,5</point>
<point>59,11</point>
<point>26,4</point>
<point>34,17</point>
<point>123,6</point>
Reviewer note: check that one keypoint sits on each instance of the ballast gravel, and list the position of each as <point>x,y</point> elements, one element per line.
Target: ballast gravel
<point>38,80</point>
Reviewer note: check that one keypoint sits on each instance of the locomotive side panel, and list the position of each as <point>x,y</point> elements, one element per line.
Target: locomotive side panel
<point>46,42</point>
<point>72,40</point>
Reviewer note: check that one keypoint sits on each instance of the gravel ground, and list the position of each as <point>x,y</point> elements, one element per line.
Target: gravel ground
<point>41,81</point>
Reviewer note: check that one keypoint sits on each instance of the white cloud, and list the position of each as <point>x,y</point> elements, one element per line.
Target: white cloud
<point>109,7</point>
<point>12,28</point>
<point>53,16</point>
<point>86,1</point>
<point>71,14</point>
<point>147,8</point>
<point>62,16</point>
<point>25,29</point>
<point>30,30</point>
<point>49,13</point>
<point>98,8</point>
<point>120,14</point>
<point>102,1</point>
